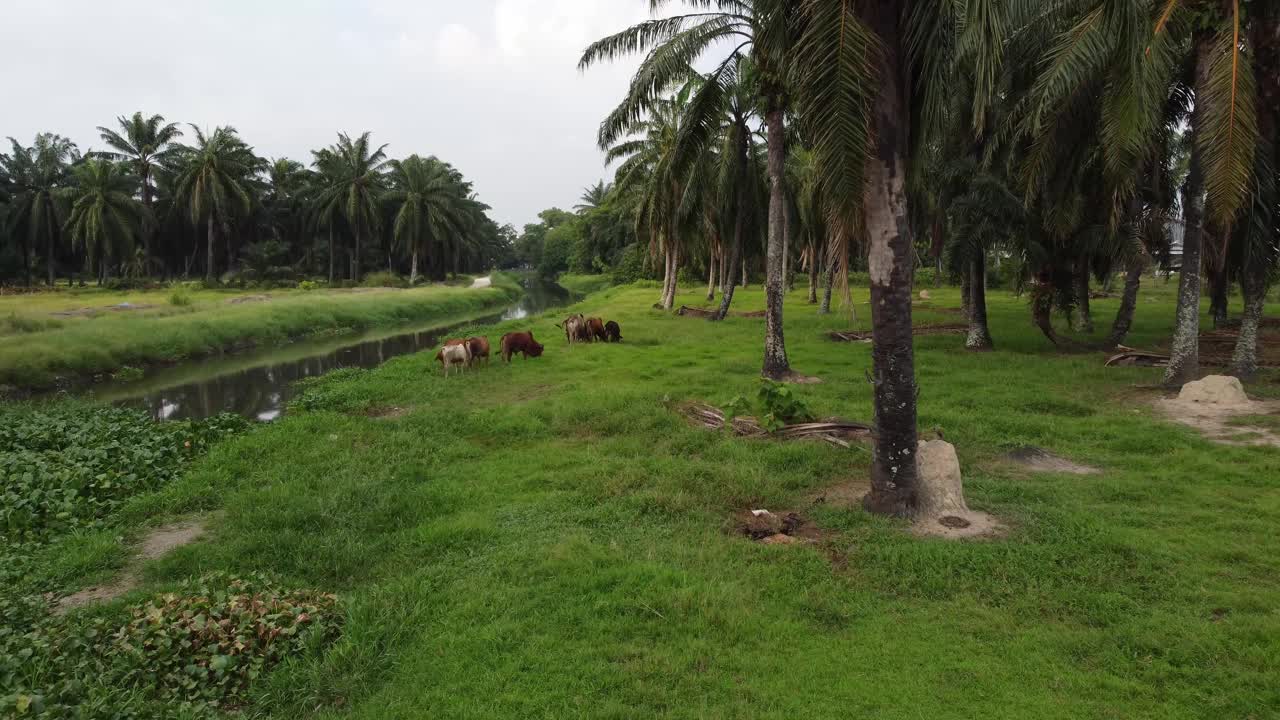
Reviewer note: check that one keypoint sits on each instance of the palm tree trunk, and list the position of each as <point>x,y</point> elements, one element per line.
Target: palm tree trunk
<point>148,229</point>
<point>1084,316</point>
<point>711,275</point>
<point>813,272</point>
<point>726,293</point>
<point>776,365</point>
<point>1184,355</point>
<point>894,475</point>
<point>1244,361</point>
<point>825,307</point>
<point>49,244</point>
<point>333,253</point>
<point>208,267</point>
<point>1219,293</point>
<point>355,257</point>
<point>413,268</point>
<point>1128,303</point>
<point>966,295</point>
<point>979,337</point>
<point>744,270</point>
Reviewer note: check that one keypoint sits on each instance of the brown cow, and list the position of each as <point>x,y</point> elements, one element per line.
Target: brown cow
<point>595,329</point>
<point>479,347</point>
<point>520,342</point>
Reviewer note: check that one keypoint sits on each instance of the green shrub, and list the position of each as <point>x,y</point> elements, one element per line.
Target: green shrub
<point>308,285</point>
<point>128,373</point>
<point>776,405</point>
<point>16,323</point>
<point>631,266</point>
<point>383,279</point>
<point>67,465</point>
<point>180,297</point>
<point>186,653</point>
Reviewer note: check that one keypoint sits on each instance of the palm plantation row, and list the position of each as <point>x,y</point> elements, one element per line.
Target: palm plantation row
<point>150,205</point>
<point>1066,137</point>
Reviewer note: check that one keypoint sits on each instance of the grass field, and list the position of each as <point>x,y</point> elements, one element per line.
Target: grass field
<point>583,284</point>
<point>47,335</point>
<point>549,539</point>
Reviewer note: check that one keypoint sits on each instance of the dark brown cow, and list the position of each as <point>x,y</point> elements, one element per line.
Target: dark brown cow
<point>612,333</point>
<point>520,342</point>
<point>479,347</point>
<point>595,329</point>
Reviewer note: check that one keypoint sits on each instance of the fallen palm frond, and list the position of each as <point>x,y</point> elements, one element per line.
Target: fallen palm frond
<point>1129,357</point>
<point>865,335</point>
<point>834,431</point>
<point>701,313</point>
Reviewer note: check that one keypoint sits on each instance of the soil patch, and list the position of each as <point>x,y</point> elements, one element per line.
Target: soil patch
<point>865,335</point>
<point>157,543</point>
<point>845,494</point>
<point>795,378</point>
<point>90,311</point>
<point>249,299</point>
<point>1216,348</point>
<point>1041,460</point>
<point>967,525</point>
<point>770,528</point>
<point>834,430</point>
<point>387,412</point>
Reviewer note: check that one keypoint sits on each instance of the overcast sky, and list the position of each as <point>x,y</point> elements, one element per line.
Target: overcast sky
<point>491,86</point>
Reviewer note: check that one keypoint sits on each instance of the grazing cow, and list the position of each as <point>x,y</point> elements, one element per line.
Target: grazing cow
<point>479,347</point>
<point>451,355</point>
<point>612,333</point>
<point>595,329</point>
<point>520,342</point>
<point>575,328</point>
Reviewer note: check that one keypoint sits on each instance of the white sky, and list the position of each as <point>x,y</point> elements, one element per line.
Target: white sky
<point>491,86</point>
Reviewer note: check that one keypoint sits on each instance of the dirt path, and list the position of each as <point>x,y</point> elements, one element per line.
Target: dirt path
<point>157,543</point>
<point>483,282</point>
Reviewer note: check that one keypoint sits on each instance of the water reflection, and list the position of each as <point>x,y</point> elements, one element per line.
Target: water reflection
<point>258,385</point>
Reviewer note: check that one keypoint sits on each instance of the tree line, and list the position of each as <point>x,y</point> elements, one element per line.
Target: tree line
<point>166,201</point>
<point>1064,139</point>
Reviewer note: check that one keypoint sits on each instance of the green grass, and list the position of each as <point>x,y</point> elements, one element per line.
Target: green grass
<point>206,322</point>
<point>548,539</point>
<point>584,284</point>
<point>1267,422</point>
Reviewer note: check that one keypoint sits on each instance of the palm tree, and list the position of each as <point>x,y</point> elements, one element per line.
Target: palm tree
<point>352,187</point>
<point>145,143</point>
<point>428,206</point>
<point>105,218</point>
<point>592,197</point>
<point>39,175</point>
<point>762,29</point>
<point>212,182</point>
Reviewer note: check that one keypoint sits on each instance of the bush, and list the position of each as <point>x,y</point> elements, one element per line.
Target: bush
<point>16,323</point>
<point>631,266</point>
<point>180,297</point>
<point>308,285</point>
<point>68,466</point>
<point>383,279</point>
<point>188,652</point>
<point>776,405</point>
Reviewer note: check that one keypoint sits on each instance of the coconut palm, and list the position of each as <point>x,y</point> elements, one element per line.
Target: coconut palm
<point>39,176</point>
<point>104,219</point>
<point>352,186</point>
<point>212,183</point>
<point>428,206</point>
<point>592,197</point>
<point>144,143</point>
<point>765,30</point>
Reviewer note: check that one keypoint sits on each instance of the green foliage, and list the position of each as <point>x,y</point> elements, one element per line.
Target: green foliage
<point>308,285</point>
<point>15,323</point>
<point>68,466</point>
<point>779,406</point>
<point>384,279</point>
<point>180,297</point>
<point>631,266</point>
<point>186,653</point>
<point>128,373</point>
<point>558,247</point>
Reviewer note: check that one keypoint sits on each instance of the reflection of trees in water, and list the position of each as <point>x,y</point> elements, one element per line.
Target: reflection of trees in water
<point>261,392</point>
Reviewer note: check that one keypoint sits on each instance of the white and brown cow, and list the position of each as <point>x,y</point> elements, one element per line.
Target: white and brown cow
<point>454,353</point>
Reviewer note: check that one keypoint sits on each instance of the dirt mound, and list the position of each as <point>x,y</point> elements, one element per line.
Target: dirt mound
<point>1213,405</point>
<point>770,528</point>
<point>1041,460</point>
<point>1214,390</point>
<point>941,508</point>
<point>157,543</point>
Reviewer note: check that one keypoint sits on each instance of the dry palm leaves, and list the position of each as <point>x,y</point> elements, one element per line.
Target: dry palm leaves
<point>1129,357</point>
<point>703,313</point>
<point>834,431</point>
<point>865,336</point>
<point>1216,349</point>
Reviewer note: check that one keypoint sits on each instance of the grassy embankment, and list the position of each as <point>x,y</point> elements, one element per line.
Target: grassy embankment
<point>548,539</point>
<point>37,346</point>
<point>584,284</point>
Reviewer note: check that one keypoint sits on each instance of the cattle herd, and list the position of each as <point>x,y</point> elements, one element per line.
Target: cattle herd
<point>464,353</point>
